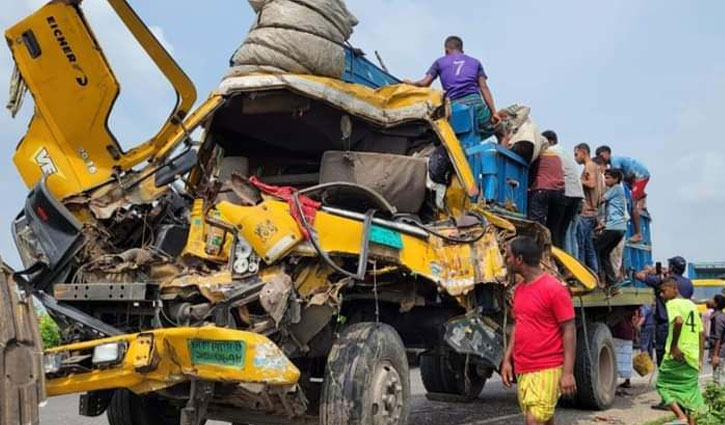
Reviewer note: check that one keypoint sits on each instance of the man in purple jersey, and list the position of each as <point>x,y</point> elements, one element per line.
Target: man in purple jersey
<point>464,81</point>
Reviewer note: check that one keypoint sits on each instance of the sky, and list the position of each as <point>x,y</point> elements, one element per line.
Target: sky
<point>646,78</point>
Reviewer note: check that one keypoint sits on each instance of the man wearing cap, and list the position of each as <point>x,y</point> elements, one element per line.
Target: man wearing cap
<point>675,270</point>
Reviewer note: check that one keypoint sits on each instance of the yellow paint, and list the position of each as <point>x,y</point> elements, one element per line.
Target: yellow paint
<point>312,278</point>
<point>457,200</point>
<point>205,239</point>
<point>707,283</point>
<point>161,358</point>
<point>457,156</point>
<point>212,286</point>
<point>268,227</point>
<point>456,267</point>
<point>586,277</point>
<point>392,97</point>
<point>495,219</point>
<point>184,88</point>
<point>68,137</point>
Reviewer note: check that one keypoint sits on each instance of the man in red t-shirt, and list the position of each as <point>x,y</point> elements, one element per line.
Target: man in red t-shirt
<point>543,341</point>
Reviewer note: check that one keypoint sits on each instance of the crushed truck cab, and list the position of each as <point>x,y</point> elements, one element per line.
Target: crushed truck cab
<point>279,269</point>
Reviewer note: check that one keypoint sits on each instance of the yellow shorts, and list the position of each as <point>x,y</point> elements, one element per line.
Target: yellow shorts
<point>538,392</point>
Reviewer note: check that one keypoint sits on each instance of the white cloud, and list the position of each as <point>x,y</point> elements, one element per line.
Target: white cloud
<point>158,32</point>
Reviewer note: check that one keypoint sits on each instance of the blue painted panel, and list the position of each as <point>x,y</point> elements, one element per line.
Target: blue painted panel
<point>502,175</point>
<point>359,70</point>
<point>636,257</point>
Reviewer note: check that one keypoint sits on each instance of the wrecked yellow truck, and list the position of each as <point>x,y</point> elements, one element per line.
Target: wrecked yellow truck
<point>277,269</point>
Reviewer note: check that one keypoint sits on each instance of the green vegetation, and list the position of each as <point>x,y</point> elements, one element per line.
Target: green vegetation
<point>715,399</point>
<point>49,331</point>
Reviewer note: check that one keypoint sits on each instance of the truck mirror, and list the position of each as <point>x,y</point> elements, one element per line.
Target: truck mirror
<point>175,167</point>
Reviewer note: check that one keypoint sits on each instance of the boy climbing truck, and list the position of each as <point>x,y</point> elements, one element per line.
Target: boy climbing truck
<point>241,280</point>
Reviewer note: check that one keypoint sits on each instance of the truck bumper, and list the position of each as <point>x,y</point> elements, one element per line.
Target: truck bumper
<point>154,360</point>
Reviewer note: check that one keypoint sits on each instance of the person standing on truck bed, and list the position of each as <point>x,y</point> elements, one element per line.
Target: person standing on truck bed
<point>636,176</point>
<point>593,181</point>
<point>542,344</point>
<point>678,378</point>
<point>465,82</point>
<point>547,203</point>
<point>613,223</point>
<point>573,194</point>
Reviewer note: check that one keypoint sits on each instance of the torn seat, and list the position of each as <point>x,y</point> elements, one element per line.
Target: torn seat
<point>401,180</point>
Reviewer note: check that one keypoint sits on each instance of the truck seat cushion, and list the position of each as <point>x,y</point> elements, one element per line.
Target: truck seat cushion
<point>399,179</point>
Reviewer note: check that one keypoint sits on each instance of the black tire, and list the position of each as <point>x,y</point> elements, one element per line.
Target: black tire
<point>127,408</point>
<point>366,378</point>
<point>596,381</point>
<point>447,375</point>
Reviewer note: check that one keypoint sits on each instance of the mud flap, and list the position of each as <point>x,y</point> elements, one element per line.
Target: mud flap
<point>21,355</point>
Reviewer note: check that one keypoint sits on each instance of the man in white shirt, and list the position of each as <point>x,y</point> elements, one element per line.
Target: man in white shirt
<point>573,193</point>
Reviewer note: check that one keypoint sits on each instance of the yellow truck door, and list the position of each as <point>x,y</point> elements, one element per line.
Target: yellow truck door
<point>74,90</point>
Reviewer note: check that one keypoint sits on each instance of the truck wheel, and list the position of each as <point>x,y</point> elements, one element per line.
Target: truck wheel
<point>596,381</point>
<point>127,408</point>
<point>366,378</point>
<point>447,375</point>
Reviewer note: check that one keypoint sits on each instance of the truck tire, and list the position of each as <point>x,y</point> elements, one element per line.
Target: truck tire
<point>127,408</point>
<point>447,375</point>
<point>366,378</point>
<point>596,381</point>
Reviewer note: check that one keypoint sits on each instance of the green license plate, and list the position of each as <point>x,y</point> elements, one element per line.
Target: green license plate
<point>387,237</point>
<point>223,353</point>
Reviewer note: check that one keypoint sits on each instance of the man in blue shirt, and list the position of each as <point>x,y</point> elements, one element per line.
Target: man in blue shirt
<point>636,175</point>
<point>613,223</point>
<point>464,81</point>
<point>676,269</point>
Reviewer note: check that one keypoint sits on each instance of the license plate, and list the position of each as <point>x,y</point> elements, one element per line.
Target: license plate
<point>222,353</point>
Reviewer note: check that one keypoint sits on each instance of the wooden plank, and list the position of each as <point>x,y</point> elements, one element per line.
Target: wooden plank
<point>627,296</point>
<point>21,355</point>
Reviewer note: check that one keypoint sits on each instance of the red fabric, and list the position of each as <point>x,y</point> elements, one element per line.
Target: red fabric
<point>540,307</point>
<point>549,172</point>
<point>309,206</point>
<point>638,188</point>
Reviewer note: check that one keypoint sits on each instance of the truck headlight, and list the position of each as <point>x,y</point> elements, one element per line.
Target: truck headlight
<point>52,362</point>
<point>110,353</point>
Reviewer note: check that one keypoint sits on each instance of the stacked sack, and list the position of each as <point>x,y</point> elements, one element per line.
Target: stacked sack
<point>295,36</point>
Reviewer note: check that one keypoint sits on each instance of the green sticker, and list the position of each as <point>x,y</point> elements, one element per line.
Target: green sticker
<point>387,237</point>
<point>222,353</point>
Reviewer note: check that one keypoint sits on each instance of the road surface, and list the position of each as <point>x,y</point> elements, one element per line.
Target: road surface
<point>495,406</point>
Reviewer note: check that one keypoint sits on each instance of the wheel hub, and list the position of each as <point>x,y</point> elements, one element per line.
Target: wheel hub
<point>387,395</point>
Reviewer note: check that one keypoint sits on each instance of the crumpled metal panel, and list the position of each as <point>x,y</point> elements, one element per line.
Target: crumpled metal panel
<point>161,358</point>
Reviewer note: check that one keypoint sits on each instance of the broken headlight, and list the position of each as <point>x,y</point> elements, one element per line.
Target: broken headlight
<point>243,259</point>
<point>108,354</point>
<point>52,362</point>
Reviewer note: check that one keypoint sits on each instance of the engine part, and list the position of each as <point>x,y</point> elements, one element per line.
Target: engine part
<point>470,335</point>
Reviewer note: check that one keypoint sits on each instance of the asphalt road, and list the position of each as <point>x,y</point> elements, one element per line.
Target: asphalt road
<point>495,406</point>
